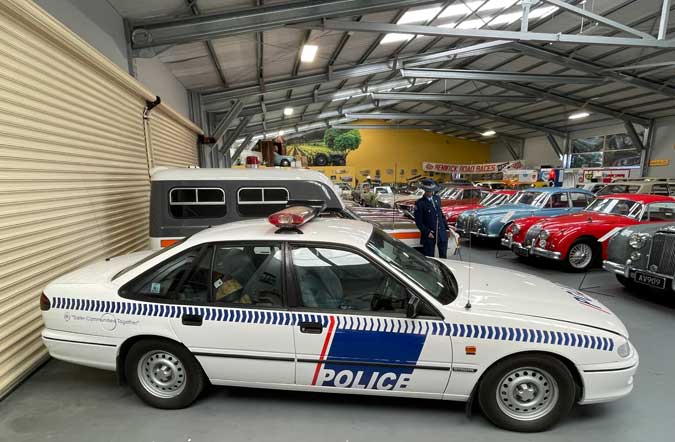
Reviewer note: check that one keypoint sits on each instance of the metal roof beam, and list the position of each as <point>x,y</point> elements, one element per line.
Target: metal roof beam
<point>488,34</point>
<point>415,96</point>
<point>229,139</point>
<point>225,122</point>
<point>665,17</point>
<point>384,126</point>
<point>570,100</point>
<point>145,34</point>
<point>404,116</point>
<point>632,133</point>
<point>240,148</point>
<point>554,145</point>
<point>192,4</point>
<point>466,74</point>
<point>599,18</point>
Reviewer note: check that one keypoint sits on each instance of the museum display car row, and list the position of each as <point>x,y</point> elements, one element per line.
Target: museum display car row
<point>297,301</point>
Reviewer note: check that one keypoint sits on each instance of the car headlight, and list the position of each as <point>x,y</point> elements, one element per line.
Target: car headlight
<point>515,229</point>
<point>635,256</point>
<point>542,243</point>
<point>624,350</point>
<point>544,234</point>
<point>638,240</point>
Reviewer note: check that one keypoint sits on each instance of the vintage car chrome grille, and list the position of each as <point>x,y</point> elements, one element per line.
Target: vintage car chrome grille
<point>662,254</point>
<point>461,222</point>
<point>531,236</point>
<point>472,223</point>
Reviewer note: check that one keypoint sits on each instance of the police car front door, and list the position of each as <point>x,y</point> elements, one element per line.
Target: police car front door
<point>352,334</point>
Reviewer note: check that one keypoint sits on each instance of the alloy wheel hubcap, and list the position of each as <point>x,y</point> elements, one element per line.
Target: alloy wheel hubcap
<point>527,394</point>
<point>581,256</point>
<point>162,374</point>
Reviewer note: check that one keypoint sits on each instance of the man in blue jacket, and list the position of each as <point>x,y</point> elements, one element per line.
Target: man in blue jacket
<point>430,220</point>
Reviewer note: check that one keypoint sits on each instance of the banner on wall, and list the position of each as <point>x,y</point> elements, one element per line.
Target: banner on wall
<point>471,168</point>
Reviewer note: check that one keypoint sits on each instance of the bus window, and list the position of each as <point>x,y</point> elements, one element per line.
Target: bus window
<point>190,202</point>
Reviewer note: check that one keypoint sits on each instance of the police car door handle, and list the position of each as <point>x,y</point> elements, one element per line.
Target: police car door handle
<point>194,320</point>
<point>311,327</point>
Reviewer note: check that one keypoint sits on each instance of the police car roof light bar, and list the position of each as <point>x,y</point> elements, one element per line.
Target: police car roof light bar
<point>291,218</point>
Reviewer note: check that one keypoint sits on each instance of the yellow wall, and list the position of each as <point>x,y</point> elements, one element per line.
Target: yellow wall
<point>406,149</point>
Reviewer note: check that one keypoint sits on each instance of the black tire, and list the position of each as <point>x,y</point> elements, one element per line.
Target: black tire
<point>540,375</point>
<point>186,380</point>
<point>585,243</point>
<point>285,163</point>
<point>321,159</point>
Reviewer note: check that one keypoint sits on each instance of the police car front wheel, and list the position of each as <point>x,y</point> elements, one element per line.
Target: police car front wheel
<point>527,393</point>
<point>163,374</point>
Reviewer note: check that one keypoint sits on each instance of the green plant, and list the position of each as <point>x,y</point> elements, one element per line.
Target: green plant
<point>347,141</point>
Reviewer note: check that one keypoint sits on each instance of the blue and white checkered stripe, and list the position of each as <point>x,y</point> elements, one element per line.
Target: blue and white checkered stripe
<point>344,322</point>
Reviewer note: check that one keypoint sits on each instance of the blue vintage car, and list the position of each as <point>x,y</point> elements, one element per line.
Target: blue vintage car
<point>491,222</point>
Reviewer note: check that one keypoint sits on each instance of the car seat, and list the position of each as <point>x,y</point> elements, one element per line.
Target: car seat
<point>319,287</point>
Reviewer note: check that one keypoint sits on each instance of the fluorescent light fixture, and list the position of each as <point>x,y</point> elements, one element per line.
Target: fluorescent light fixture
<point>489,133</point>
<point>418,16</point>
<point>579,115</point>
<point>308,53</point>
<point>280,133</point>
<point>288,111</point>
<point>393,38</point>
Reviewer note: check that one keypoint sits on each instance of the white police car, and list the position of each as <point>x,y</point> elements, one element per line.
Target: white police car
<point>337,306</point>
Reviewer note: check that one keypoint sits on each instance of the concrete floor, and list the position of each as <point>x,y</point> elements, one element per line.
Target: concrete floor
<point>63,402</point>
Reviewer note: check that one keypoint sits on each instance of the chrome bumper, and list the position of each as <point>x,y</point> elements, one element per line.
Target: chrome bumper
<point>619,269</point>
<point>546,253</point>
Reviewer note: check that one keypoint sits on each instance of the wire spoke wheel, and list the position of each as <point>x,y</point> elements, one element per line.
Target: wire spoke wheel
<point>527,394</point>
<point>162,374</point>
<point>580,255</point>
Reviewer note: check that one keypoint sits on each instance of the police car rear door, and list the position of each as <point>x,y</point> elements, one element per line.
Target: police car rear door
<point>352,334</point>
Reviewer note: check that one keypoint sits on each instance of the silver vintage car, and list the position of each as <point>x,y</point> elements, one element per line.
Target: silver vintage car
<point>643,256</point>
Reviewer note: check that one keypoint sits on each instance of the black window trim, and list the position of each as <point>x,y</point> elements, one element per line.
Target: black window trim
<point>197,202</point>
<point>264,201</point>
<point>284,297</point>
<point>295,288</point>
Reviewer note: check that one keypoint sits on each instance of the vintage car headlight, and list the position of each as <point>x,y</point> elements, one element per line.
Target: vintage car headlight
<point>624,350</point>
<point>544,234</point>
<point>635,256</point>
<point>515,228</point>
<point>638,240</point>
<point>542,243</point>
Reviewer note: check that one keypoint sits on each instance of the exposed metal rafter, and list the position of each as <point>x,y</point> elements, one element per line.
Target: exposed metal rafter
<point>385,126</point>
<point>632,133</point>
<point>225,122</point>
<point>404,116</point>
<point>465,74</point>
<point>221,24</point>
<point>554,145</point>
<point>244,143</point>
<point>435,31</point>
<point>192,4</point>
<point>415,96</point>
<point>231,136</point>
<point>665,17</point>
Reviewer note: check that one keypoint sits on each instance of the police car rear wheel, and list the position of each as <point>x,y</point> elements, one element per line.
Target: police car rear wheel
<point>163,374</point>
<point>527,393</point>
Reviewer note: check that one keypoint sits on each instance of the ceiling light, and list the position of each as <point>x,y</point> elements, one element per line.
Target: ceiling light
<point>280,133</point>
<point>288,111</point>
<point>579,115</point>
<point>393,38</point>
<point>489,133</point>
<point>419,15</point>
<point>308,53</point>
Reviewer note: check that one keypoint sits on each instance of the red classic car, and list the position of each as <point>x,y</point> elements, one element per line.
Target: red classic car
<point>491,199</point>
<point>579,240</point>
<point>450,196</point>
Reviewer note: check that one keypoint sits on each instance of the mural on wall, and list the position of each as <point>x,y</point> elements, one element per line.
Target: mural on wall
<point>329,150</point>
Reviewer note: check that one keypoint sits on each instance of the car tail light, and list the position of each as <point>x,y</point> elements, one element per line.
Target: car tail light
<point>292,217</point>
<point>45,304</point>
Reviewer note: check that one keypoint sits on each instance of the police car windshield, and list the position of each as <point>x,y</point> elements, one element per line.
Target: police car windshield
<point>429,274</point>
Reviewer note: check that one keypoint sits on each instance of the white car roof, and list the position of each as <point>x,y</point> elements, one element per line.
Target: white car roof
<point>325,230</point>
<point>269,174</point>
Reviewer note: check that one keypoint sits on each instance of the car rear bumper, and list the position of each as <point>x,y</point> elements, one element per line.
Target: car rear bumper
<point>604,384</point>
<point>91,351</point>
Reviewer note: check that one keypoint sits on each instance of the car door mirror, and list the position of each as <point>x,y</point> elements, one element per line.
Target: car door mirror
<point>413,303</point>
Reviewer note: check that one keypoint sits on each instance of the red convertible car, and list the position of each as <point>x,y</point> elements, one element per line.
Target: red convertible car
<point>491,199</point>
<point>579,240</point>
<point>450,196</point>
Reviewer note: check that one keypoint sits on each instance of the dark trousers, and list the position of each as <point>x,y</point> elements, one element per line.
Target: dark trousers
<point>428,245</point>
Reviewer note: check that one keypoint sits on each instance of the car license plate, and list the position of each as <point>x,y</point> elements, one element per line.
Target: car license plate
<point>650,280</point>
<point>520,251</point>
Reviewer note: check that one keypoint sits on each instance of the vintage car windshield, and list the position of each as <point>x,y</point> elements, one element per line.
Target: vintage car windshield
<point>430,274</point>
<point>448,192</point>
<point>383,189</point>
<point>537,199</point>
<point>618,188</point>
<point>494,199</point>
<point>616,206</point>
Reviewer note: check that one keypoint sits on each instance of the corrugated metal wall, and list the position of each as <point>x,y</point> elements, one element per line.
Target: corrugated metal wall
<point>74,181</point>
<point>173,144</point>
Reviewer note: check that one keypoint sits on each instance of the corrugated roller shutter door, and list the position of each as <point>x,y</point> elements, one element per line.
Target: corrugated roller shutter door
<point>173,144</point>
<point>73,179</point>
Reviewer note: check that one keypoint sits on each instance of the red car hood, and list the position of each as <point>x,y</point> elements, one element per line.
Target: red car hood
<point>459,208</point>
<point>576,219</point>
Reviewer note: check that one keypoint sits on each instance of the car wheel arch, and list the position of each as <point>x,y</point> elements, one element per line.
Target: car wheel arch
<point>590,239</point>
<point>123,351</point>
<point>571,366</point>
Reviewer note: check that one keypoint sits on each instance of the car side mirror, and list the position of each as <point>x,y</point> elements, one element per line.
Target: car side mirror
<point>413,303</point>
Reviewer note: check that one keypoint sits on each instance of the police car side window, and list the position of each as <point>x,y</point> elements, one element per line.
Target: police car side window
<point>184,278</point>
<point>338,279</point>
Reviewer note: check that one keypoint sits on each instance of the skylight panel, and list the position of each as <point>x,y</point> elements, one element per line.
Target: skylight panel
<point>419,15</point>
<point>394,37</point>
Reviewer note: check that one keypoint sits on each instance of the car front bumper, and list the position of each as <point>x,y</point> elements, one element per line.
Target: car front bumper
<point>522,250</point>
<point>629,272</point>
<point>615,267</point>
<point>550,254</point>
<point>608,382</point>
